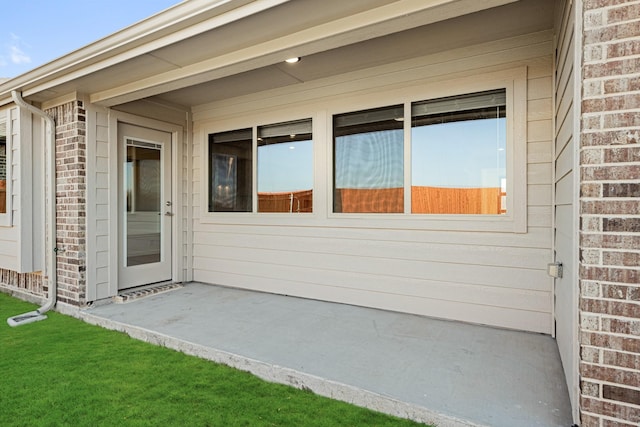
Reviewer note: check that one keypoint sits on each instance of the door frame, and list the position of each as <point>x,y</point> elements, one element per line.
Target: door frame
<point>160,270</point>
<point>177,244</point>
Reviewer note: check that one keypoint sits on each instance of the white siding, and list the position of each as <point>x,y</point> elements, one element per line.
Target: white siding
<point>565,187</point>
<point>102,196</point>
<point>21,235</point>
<point>496,278</point>
<point>98,206</point>
<point>9,233</point>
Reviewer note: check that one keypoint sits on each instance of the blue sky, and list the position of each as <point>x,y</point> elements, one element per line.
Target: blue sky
<point>35,32</point>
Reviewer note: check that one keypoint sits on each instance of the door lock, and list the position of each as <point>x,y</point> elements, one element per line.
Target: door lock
<point>168,203</point>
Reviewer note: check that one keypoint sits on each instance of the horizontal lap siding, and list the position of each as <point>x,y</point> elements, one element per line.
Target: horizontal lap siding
<point>483,277</point>
<point>9,235</point>
<point>564,182</point>
<point>98,255</point>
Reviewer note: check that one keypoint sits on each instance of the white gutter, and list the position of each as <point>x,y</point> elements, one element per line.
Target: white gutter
<point>50,213</point>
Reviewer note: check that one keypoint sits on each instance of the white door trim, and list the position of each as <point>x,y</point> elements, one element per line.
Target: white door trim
<point>152,230</point>
<point>177,249</point>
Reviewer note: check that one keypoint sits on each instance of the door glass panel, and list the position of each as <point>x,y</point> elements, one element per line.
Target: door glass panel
<point>143,186</point>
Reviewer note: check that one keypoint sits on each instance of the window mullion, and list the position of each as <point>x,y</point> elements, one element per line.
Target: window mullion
<point>254,168</point>
<point>407,157</point>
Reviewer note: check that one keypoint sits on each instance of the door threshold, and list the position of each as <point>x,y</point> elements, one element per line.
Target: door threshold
<point>139,292</point>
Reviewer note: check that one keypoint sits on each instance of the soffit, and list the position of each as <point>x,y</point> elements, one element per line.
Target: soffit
<point>515,19</point>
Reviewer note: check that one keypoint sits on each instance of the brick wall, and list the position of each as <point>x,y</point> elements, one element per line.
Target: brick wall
<point>71,201</point>
<point>610,215</point>
<point>31,283</point>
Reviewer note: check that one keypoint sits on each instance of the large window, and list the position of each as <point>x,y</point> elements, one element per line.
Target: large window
<point>285,167</point>
<point>368,161</point>
<point>283,170</point>
<point>230,171</point>
<point>457,162</point>
<point>458,154</point>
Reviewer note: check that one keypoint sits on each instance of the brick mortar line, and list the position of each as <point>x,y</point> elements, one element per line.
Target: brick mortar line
<point>613,334</point>
<point>603,234</point>
<point>608,164</point>
<point>605,130</point>
<point>613,317</point>
<point>610,78</point>
<point>610,94</point>
<point>603,112</point>
<point>611,25</point>
<point>611,199</point>
<point>617,76</point>
<point>608,233</point>
<point>616,267</point>
<point>630,353</point>
<point>601,382</point>
<point>617,402</point>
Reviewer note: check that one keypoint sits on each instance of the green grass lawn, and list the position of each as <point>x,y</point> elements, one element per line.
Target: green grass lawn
<point>64,372</point>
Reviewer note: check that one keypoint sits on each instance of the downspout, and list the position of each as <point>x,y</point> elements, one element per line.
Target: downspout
<point>50,213</point>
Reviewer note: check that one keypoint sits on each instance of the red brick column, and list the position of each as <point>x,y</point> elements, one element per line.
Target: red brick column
<point>610,215</point>
<point>71,201</point>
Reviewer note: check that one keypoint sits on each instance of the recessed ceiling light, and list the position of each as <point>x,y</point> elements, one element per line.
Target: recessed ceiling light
<point>292,60</point>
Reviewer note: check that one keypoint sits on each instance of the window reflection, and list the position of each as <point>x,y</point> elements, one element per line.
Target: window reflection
<point>368,161</point>
<point>459,154</point>
<point>285,167</point>
<point>143,179</point>
<point>230,171</point>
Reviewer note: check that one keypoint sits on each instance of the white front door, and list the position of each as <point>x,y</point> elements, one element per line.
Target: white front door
<point>145,207</point>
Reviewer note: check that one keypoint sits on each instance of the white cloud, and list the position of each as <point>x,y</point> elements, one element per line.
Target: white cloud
<point>16,54</point>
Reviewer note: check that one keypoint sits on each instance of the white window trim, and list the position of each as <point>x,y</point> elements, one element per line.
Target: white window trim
<point>514,221</point>
<point>6,219</point>
<point>256,217</point>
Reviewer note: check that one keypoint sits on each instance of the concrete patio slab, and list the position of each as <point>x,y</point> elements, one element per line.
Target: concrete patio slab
<point>434,371</point>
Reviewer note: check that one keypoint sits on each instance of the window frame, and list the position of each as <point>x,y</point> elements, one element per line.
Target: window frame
<point>7,115</point>
<point>232,217</point>
<point>322,110</point>
<point>514,82</point>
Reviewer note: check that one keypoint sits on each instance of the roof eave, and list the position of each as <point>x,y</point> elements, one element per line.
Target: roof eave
<point>164,28</point>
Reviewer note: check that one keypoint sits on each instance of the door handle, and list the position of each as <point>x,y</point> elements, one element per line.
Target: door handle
<point>168,213</point>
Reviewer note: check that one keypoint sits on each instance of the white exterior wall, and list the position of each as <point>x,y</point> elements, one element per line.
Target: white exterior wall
<point>8,233</point>
<point>21,231</point>
<point>102,186</point>
<point>99,249</point>
<point>495,278</point>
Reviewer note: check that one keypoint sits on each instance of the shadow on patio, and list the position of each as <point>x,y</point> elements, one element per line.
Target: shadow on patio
<point>435,371</point>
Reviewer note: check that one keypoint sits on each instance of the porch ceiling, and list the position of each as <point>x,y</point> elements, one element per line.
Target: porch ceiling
<point>205,57</point>
<point>516,19</point>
